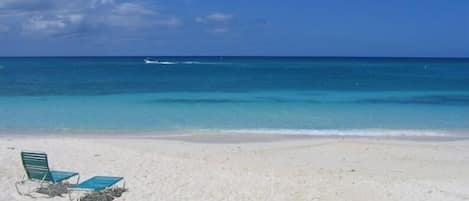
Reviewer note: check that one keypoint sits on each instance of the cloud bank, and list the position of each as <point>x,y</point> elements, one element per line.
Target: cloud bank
<point>217,22</point>
<point>43,18</point>
<point>57,17</point>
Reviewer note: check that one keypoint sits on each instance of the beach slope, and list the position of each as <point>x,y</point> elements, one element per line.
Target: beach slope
<point>275,169</point>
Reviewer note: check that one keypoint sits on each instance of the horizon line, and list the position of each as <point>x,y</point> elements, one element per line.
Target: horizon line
<point>264,56</point>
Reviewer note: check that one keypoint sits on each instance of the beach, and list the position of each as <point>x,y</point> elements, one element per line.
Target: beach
<point>120,100</point>
<point>204,167</point>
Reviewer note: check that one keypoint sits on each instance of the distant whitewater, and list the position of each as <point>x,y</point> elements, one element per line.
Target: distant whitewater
<point>288,95</point>
<point>182,62</point>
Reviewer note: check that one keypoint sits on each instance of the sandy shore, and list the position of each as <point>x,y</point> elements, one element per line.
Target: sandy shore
<point>250,167</point>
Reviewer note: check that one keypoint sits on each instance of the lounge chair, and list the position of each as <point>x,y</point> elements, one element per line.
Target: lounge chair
<point>97,186</point>
<point>37,169</point>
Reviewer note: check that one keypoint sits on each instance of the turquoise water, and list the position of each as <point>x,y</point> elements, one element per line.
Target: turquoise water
<point>234,93</point>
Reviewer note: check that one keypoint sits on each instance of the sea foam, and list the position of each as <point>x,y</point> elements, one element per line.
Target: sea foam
<point>345,132</point>
<point>186,62</point>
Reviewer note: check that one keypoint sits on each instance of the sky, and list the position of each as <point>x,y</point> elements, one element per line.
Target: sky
<point>399,28</point>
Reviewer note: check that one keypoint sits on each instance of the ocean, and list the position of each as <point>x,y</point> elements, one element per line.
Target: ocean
<point>297,95</point>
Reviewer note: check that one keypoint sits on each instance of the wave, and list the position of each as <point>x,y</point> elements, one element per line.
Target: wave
<point>187,62</point>
<point>206,63</point>
<point>199,100</point>
<point>167,62</point>
<point>428,100</point>
<point>345,132</point>
<point>191,62</point>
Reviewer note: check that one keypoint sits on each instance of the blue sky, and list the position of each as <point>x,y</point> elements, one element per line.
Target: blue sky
<point>432,28</point>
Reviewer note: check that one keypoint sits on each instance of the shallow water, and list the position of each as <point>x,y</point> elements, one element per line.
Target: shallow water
<point>235,93</point>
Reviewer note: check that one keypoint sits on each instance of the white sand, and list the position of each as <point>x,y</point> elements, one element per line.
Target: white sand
<point>278,169</point>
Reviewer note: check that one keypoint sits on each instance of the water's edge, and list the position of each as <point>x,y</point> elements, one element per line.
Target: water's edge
<point>390,134</point>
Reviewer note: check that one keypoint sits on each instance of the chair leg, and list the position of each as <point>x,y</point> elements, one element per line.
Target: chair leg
<point>22,181</point>
<point>24,193</point>
<point>70,195</point>
<point>42,181</point>
<point>18,188</point>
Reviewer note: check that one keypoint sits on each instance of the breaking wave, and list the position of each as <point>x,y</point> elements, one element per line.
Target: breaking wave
<point>345,132</point>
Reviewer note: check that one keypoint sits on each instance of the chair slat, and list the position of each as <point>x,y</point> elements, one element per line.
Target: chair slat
<point>43,163</point>
<point>36,165</point>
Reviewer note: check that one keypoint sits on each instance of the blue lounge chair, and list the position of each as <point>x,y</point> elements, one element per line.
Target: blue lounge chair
<point>37,169</point>
<point>96,184</point>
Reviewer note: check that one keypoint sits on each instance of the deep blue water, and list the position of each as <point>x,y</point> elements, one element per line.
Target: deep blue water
<point>234,93</point>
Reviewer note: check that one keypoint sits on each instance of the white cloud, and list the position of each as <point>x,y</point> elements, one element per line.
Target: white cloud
<point>58,17</point>
<point>214,17</point>
<point>55,24</point>
<point>219,17</point>
<point>103,2</point>
<point>73,18</point>
<point>40,24</point>
<point>132,9</point>
<point>216,22</point>
<point>128,15</point>
<point>76,18</point>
